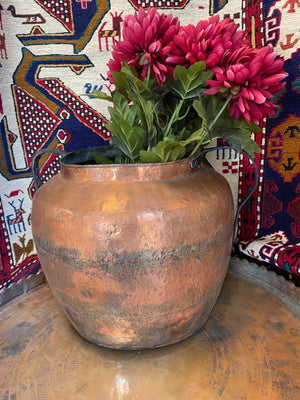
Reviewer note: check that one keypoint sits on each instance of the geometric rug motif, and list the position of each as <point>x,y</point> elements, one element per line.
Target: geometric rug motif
<point>276,204</point>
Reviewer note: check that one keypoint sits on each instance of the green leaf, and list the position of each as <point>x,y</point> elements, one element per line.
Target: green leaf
<point>119,160</point>
<point>127,135</point>
<point>147,157</point>
<point>188,82</point>
<point>99,95</point>
<point>213,105</point>
<point>195,136</point>
<point>202,136</point>
<point>251,147</point>
<point>200,108</point>
<point>241,140</point>
<point>146,115</point>
<point>177,153</point>
<point>187,85</point>
<point>130,85</point>
<point>121,82</point>
<point>255,128</point>
<point>129,140</point>
<point>180,74</point>
<point>145,95</point>
<point>168,150</point>
<point>196,68</point>
<point>188,75</point>
<point>102,160</point>
<point>165,150</point>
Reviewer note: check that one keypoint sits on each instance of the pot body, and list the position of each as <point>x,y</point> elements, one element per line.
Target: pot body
<point>136,255</point>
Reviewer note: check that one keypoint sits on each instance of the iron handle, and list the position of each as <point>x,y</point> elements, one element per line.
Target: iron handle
<point>35,164</point>
<point>197,160</point>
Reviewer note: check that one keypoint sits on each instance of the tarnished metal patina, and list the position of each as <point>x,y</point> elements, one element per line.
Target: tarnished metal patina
<point>136,255</point>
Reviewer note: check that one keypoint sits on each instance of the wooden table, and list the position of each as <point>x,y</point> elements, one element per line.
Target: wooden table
<point>248,349</point>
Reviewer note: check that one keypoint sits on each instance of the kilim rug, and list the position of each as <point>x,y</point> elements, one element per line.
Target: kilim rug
<point>270,222</point>
<point>54,51</point>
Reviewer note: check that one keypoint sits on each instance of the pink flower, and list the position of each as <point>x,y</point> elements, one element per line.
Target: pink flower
<point>147,41</point>
<point>252,77</point>
<point>207,41</point>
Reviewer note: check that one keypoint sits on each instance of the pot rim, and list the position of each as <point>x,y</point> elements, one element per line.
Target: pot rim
<point>74,167</point>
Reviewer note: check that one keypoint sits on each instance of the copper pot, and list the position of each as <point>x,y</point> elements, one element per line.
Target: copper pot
<point>136,255</point>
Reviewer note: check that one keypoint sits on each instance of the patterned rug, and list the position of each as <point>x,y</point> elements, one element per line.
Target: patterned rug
<point>53,52</point>
<point>270,222</point>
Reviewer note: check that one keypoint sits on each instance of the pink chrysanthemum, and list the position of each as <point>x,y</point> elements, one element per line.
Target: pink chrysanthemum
<point>252,77</point>
<point>207,41</point>
<point>147,41</point>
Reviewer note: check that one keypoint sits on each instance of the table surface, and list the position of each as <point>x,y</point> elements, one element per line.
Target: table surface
<point>248,349</point>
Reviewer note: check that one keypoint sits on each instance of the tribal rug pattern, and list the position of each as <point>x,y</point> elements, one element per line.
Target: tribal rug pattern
<point>53,52</point>
<point>270,223</point>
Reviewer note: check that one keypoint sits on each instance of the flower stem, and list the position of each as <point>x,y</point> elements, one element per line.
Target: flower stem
<point>205,129</point>
<point>174,117</point>
<point>148,75</point>
<point>220,112</point>
<point>203,132</point>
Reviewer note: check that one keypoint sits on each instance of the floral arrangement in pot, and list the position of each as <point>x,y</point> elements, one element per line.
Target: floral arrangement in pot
<point>135,247</point>
<point>179,87</point>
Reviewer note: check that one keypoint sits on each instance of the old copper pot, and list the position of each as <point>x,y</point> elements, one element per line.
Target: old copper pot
<point>136,255</point>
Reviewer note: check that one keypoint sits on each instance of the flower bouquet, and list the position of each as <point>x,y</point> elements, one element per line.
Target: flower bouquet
<point>142,264</point>
<point>180,87</point>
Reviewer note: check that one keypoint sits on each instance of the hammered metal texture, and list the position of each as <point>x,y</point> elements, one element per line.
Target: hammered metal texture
<point>135,254</point>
